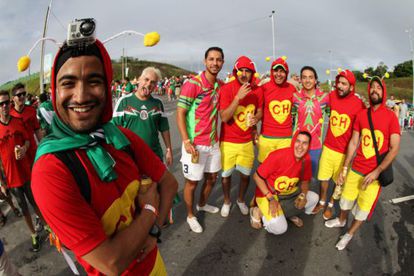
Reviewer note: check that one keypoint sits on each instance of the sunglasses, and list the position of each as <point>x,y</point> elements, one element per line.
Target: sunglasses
<point>5,103</point>
<point>20,94</point>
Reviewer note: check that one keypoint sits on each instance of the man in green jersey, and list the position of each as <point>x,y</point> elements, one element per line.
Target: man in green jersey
<point>144,115</point>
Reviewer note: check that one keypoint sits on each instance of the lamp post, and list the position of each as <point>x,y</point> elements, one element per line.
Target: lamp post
<point>329,73</point>
<point>409,31</point>
<point>42,54</point>
<point>273,34</point>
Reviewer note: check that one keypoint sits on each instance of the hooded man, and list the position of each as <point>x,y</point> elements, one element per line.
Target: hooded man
<point>277,180</point>
<point>110,223</point>
<point>240,108</point>
<point>276,130</point>
<point>345,105</point>
<point>362,189</point>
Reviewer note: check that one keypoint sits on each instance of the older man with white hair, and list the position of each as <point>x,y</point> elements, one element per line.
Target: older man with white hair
<point>144,115</point>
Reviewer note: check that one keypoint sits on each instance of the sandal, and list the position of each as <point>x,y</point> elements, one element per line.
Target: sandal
<point>3,220</point>
<point>17,213</point>
<point>255,220</point>
<point>297,221</point>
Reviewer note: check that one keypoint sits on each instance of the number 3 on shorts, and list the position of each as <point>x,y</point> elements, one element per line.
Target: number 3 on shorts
<point>185,168</point>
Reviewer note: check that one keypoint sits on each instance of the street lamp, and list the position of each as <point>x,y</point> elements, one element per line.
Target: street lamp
<point>409,31</point>
<point>273,34</point>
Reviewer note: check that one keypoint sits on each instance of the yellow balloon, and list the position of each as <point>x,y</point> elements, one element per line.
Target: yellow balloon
<point>339,69</point>
<point>151,39</point>
<point>256,75</point>
<point>267,58</point>
<point>387,75</point>
<point>23,63</point>
<point>239,73</point>
<point>328,72</point>
<point>365,75</point>
<point>284,57</point>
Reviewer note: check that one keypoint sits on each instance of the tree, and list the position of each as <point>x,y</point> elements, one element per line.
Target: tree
<point>358,75</point>
<point>404,69</point>
<point>381,69</point>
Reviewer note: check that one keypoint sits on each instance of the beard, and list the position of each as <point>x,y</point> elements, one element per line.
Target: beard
<point>376,101</point>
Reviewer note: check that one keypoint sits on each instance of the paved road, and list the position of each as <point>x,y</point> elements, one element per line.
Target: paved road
<point>384,246</point>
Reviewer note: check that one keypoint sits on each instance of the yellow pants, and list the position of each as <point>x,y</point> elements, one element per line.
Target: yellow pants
<point>238,156</point>
<point>330,164</point>
<point>267,145</point>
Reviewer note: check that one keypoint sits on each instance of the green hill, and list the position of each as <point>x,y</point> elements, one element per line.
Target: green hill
<point>401,88</point>
<point>135,68</point>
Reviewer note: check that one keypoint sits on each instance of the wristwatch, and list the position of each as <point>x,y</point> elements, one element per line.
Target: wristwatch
<point>155,232</point>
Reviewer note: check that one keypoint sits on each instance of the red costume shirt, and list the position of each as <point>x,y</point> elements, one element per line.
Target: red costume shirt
<point>236,130</point>
<point>277,117</point>
<point>385,123</point>
<point>12,134</point>
<point>343,114</point>
<point>31,123</point>
<point>281,170</point>
<point>82,226</point>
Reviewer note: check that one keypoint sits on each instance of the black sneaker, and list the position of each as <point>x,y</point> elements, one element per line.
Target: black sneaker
<point>35,243</point>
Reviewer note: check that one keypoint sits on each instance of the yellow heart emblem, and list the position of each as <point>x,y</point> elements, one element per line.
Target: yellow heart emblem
<point>240,116</point>
<point>280,110</point>
<point>339,123</point>
<point>367,144</point>
<point>286,185</point>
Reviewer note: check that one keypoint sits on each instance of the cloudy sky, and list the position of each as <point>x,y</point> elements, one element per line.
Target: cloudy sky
<point>357,33</point>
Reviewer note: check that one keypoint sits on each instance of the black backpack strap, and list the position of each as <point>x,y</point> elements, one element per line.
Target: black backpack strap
<point>71,160</point>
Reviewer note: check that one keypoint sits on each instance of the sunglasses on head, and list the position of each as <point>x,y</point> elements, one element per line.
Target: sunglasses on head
<point>21,94</point>
<point>7,102</point>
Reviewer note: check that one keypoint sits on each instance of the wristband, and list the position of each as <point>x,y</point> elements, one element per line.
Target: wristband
<point>151,208</point>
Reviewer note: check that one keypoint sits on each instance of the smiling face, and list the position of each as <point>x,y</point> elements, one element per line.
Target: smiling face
<point>301,146</point>
<point>308,80</point>
<point>19,97</point>
<point>279,74</point>
<point>81,93</point>
<point>245,75</point>
<point>214,62</point>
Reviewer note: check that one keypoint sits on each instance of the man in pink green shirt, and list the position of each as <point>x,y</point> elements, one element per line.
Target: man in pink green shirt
<point>311,105</point>
<point>197,113</point>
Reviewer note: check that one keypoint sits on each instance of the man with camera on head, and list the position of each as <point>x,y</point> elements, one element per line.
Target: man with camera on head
<point>105,217</point>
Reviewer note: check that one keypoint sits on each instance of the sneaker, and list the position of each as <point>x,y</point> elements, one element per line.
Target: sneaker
<point>343,242</point>
<point>318,208</point>
<point>35,243</point>
<point>328,213</point>
<point>225,210</point>
<point>208,208</point>
<point>334,223</point>
<point>194,225</point>
<point>38,224</point>
<point>243,208</point>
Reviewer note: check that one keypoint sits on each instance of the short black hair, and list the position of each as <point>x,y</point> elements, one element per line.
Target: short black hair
<point>43,97</point>
<point>4,92</point>
<point>16,87</point>
<point>310,68</point>
<point>215,48</point>
<point>304,132</point>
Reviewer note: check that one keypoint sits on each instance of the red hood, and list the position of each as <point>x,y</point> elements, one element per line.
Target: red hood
<point>107,113</point>
<point>384,90</point>
<point>350,77</point>
<point>279,62</point>
<point>245,62</point>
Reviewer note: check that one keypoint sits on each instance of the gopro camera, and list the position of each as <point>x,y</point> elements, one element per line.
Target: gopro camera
<point>81,32</point>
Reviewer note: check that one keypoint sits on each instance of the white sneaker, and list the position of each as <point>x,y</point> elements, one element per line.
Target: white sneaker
<point>334,223</point>
<point>194,225</point>
<point>208,208</point>
<point>343,242</point>
<point>225,210</point>
<point>243,208</point>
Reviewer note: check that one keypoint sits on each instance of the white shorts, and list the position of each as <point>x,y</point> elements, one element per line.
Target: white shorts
<point>209,162</point>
